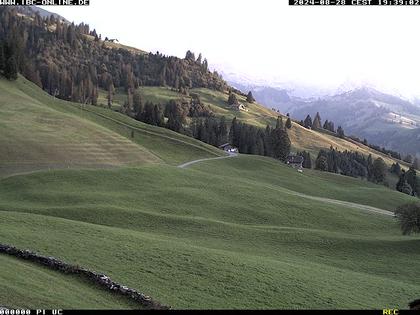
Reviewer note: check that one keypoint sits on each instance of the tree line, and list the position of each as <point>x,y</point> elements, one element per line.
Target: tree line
<point>316,124</point>
<point>72,62</point>
<point>391,153</point>
<point>8,64</point>
<point>408,182</point>
<point>351,164</point>
<point>206,127</point>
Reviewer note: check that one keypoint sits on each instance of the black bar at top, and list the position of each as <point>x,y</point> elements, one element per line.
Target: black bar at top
<point>44,2</point>
<point>354,2</point>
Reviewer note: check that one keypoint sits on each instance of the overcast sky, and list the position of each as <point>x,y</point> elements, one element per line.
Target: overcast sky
<point>324,46</point>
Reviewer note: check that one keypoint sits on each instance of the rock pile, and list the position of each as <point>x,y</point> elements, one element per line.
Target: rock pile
<point>98,279</point>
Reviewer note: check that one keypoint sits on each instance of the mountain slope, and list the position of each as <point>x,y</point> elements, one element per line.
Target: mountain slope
<point>257,115</point>
<point>34,135</point>
<point>40,132</point>
<point>382,119</point>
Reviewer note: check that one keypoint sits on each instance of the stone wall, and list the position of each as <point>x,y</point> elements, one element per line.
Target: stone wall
<point>415,305</point>
<point>100,280</point>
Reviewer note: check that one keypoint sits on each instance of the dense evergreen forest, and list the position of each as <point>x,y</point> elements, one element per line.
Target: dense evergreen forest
<point>71,61</point>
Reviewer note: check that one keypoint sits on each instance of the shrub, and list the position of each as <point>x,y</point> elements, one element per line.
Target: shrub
<point>409,217</point>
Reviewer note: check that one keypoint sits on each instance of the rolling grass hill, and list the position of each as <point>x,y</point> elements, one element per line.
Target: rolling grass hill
<point>38,131</point>
<point>219,233</point>
<point>27,286</point>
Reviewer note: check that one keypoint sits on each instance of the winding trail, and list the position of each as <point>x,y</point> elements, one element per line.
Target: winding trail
<point>231,155</point>
<point>294,193</point>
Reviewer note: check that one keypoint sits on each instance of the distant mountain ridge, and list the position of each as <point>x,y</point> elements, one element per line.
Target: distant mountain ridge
<point>383,119</point>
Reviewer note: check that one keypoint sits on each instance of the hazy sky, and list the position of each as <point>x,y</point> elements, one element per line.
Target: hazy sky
<point>323,46</point>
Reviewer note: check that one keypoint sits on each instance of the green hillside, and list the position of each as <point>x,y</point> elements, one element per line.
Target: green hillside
<point>213,235</point>
<point>28,286</point>
<point>257,115</point>
<point>38,131</point>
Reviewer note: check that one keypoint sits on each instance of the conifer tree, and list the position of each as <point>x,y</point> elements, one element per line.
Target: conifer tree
<point>317,122</point>
<point>110,95</point>
<point>379,170</point>
<point>280,143</point>
<point>234,133</point>
<point>137,103</point>
<point>222,130</point>
<point>158,117</point>
<point>232,100</point>
<point>411,178</point>
<point>308,122</point>
<point>340,132</point>
<point>10,68</point>
<point>2,57</point>
<point>279,123</point>
<point>250,98</point>
<point>321,162</point>
<point>288,123</point>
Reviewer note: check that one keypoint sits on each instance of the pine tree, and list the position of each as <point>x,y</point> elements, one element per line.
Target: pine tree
<point>288,123</point>
<point>158,117</point>
<point>279,123</point>
<point>396,169</point>
<point>308,122</point>
<point>268,141</point>
<point>232,100</point>
<point>307,162</point>
<point>110,95</point>
<point>411,178</point>
<point>317,122</point>
<point>234,133</point>
<point>222,131</point>
<point>148,115</point>
<point>340,132</point>
<point>401,181</point>
<point>10,69</point>
<point>379,170</point>
<point>250,98</point>
<point>199,59</point>
<point>137,103</point>
<point>280,144</point>
<point>2,57</point>
<point>406,188</point>
<point>321,162</point>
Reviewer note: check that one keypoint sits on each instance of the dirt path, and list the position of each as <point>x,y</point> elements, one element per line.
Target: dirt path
<point>185,165</point>
<point>294,193</point>
<point>341,203</point>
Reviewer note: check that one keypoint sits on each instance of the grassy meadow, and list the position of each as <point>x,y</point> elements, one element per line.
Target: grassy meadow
<point>38,131</point>
<point>28,286</point>
<point>207,237</point>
